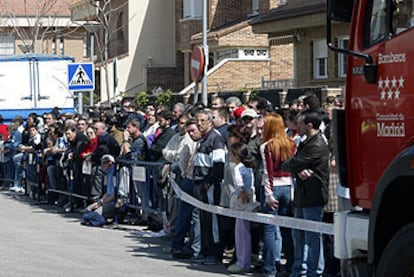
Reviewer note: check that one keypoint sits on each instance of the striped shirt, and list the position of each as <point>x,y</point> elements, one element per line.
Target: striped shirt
<point>209,158</point>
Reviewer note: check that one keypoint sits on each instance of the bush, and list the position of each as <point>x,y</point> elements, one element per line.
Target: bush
<point>141,99</point>
<point>164,97</point>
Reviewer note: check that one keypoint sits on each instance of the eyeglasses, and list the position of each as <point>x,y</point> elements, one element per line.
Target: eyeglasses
<point>126,106</point>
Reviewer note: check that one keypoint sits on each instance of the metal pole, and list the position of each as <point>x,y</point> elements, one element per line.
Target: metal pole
<point>80,102</point>
<point>91,56</point>
<point>205,48</point>
<point>195,94</point>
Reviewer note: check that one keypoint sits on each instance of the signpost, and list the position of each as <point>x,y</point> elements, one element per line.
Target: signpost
<point>81,78</point>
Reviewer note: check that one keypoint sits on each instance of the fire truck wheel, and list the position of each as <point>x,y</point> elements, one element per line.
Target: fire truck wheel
<point>397,259</point>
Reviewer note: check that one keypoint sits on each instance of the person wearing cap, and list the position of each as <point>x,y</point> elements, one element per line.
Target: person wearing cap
<point>248,128</point>
<point>103,208</point>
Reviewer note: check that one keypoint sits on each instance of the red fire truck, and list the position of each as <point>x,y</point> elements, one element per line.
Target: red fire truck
<point>375,136</point>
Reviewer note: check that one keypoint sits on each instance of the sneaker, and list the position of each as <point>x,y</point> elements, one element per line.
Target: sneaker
<point>167,250</point>
<point>257,261</point>
<point>266,274</point>
<point>198,259</point>
<point>15,189</point>
<point>20,190</point>
<point>67,208</point>
<point>235,269</point>
<point>211,260</point>
<point>181,254</point>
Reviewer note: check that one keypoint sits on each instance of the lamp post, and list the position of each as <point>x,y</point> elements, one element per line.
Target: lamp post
<point>91,28</point>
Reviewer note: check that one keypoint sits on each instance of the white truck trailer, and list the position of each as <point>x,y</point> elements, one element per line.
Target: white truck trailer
<point>34,83</point>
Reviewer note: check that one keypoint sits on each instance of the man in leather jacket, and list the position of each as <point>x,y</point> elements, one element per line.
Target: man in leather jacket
<point>310,166</point>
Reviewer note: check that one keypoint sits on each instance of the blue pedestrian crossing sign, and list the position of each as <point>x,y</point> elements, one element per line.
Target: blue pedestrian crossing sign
<point>81,76</point>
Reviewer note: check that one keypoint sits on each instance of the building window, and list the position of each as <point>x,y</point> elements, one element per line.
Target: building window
<point>6,44</point>
<point>226,54</point>
<point>255,7</point>
<point>342,43</point>
<point>320,59</point>
<point>242,54</point>
<point>119,27</point>
<point>192,9</point>
<point>378,23</point>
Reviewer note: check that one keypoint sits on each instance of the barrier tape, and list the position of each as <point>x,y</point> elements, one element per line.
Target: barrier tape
<point>283,221</point>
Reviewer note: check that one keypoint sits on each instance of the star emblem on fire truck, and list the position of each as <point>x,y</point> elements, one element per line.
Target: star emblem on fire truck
<point>390,88</point>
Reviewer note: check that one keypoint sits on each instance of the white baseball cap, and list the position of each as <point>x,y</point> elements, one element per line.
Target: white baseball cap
<point>107,158</point>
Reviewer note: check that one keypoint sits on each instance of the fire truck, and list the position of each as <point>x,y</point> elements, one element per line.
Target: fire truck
<point>375,136</point>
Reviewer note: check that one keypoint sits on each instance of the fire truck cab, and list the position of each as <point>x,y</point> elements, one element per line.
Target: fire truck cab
<point>375,136</point>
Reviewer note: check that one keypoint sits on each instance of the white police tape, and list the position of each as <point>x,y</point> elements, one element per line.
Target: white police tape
<point>284,221</point>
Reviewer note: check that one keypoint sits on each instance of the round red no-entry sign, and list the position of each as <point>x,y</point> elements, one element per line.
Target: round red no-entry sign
<point>197,63</point>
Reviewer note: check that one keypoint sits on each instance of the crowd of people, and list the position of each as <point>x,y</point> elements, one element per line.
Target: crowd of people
<point>247,157</point>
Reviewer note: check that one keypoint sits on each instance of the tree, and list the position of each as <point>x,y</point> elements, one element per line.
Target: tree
<point>110,16</point>
<point>33,21</point>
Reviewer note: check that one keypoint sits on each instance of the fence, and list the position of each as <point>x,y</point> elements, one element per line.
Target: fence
<point>137,186</point>
<point>143,187</point>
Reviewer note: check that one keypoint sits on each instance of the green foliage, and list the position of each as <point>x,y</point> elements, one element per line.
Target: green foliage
<point>141,99</point>
<point>253,93</point>
<point>164,97</point>
<point>243,90</point>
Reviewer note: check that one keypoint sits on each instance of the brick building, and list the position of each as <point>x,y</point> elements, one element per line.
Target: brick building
<point>238,58</point>
<point>159,51</point>
<point>301,24</point>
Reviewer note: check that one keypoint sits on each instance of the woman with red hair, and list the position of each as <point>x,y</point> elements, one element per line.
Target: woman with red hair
<point>276,187</point>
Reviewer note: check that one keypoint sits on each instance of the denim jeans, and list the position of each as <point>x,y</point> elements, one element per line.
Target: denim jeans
<point>272,239</point>
<point>310,240</point>
<point>185,212</point>
<point>17,160</point>
<point>195,232</point>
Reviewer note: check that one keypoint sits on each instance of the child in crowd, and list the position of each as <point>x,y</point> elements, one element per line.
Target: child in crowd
<point>243,198</point>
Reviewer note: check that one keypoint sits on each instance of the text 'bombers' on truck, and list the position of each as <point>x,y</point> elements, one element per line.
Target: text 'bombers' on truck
<point>375,136</point>
<point>34,83</point>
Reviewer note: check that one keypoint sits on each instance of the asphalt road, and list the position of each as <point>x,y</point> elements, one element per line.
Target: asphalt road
<point>40,240</point>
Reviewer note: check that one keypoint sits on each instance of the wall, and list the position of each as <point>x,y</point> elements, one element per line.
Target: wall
<point>151,44</point>
<point>304,56</point>
<point>235,75</point>
<point>281,62</point>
